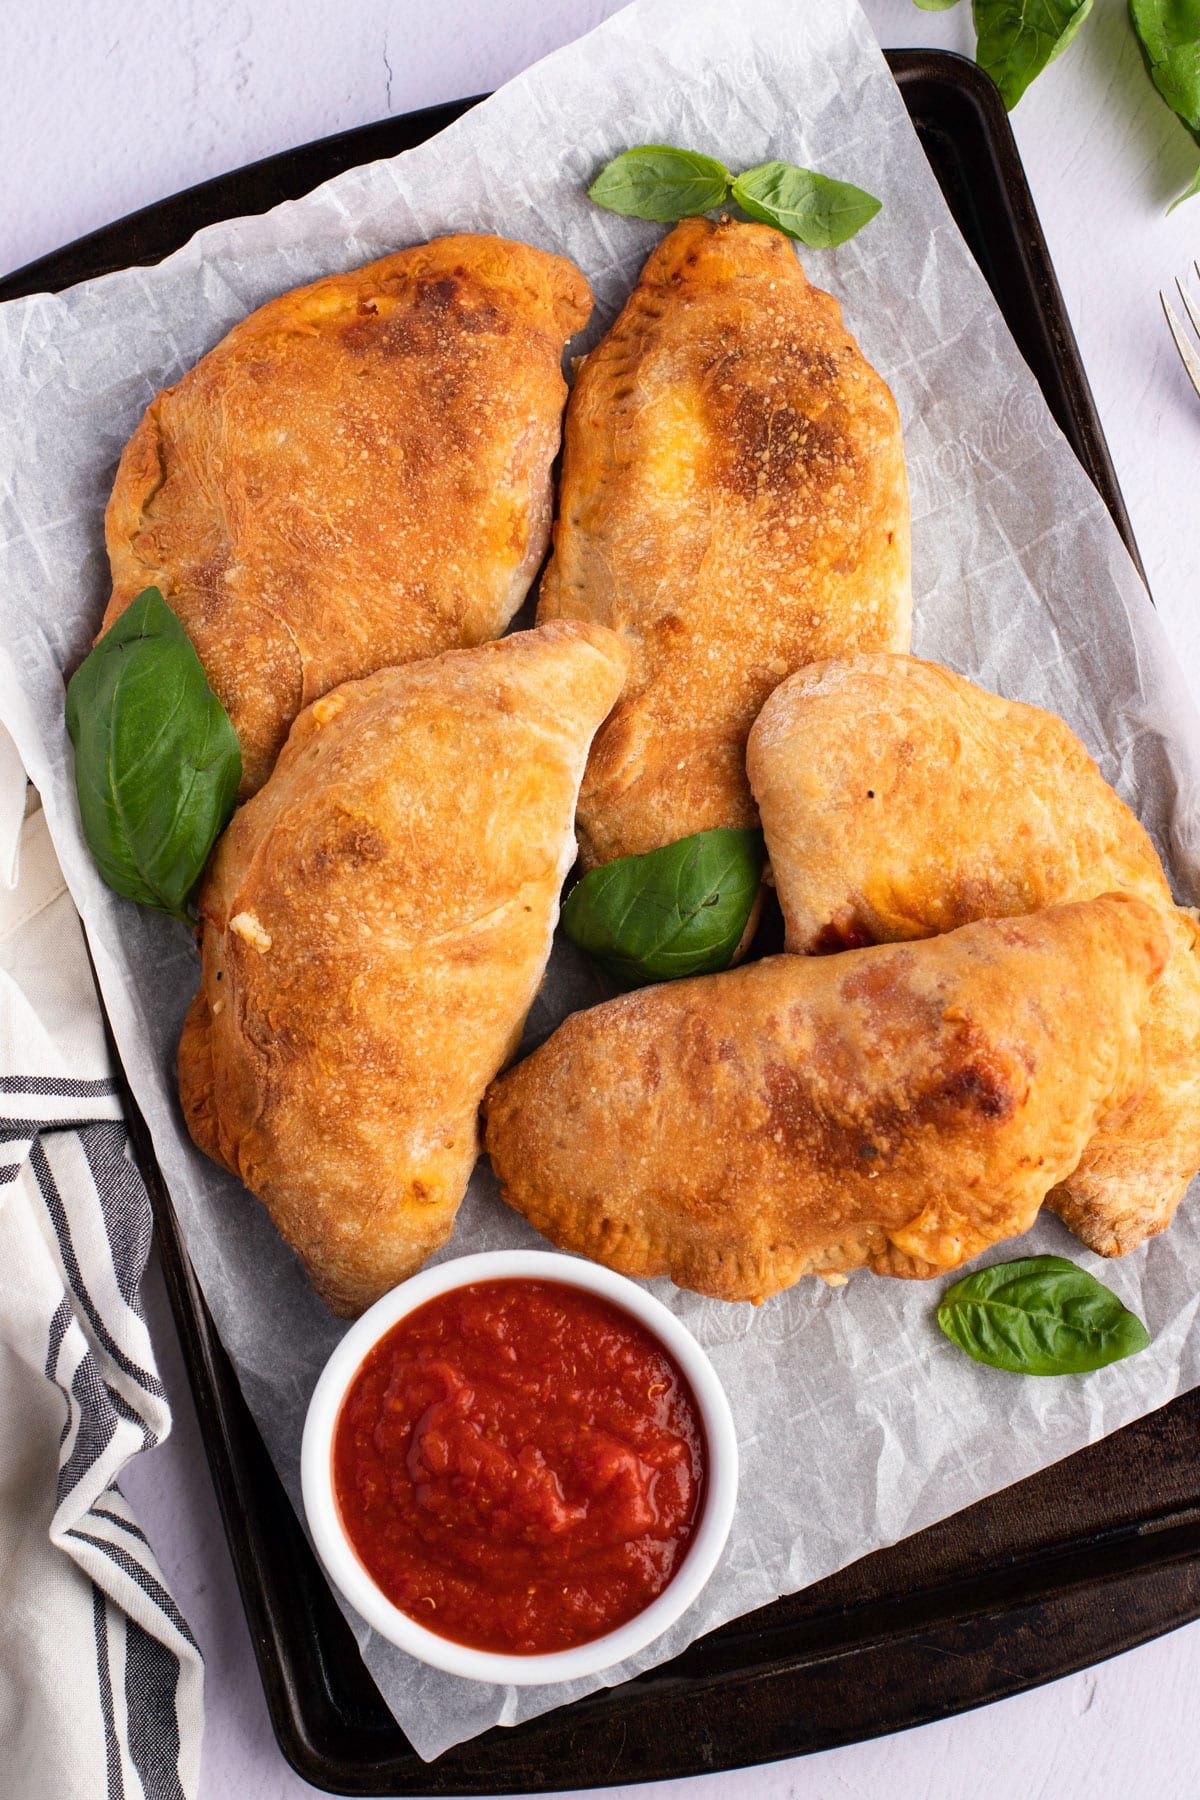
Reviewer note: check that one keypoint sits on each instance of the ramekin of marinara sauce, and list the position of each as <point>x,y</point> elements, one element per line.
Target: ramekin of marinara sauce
<point>520,1467</point>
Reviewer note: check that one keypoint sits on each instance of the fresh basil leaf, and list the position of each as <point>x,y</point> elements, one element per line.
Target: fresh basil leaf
<point>935,5</point>
<point>1169,34</point>
<point>1189,192</point>
<point>1040,1315</point>
<point>656,181</point>
<point>157,762</point>
<point>1017,38</point>
<point>819,211</point>
<point>676,911</point>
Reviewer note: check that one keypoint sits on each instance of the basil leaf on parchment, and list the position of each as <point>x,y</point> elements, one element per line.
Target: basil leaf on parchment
<point>1015,39</point>
<point>656,181</point>
<point>157,762</point>
<point>1169,34</point>
<point>935,5</point>
<point>1040,1315</point>
<point>815,208</point>
<point>676,911</point>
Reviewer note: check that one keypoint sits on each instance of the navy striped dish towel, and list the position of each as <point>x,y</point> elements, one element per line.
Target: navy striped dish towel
<point>101,1682</point>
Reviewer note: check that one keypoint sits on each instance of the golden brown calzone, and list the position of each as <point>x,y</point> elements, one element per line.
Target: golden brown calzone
<point>734,503</point>
<point>902,1107</point>
<point>356,476</point>
<point>899,799</point>
<point>375,924</point>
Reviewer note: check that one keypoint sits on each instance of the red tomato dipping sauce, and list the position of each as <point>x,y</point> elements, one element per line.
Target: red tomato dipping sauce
<point>520,1466</point>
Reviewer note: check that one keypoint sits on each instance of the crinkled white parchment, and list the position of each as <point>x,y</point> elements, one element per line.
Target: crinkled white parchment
<point>858,1422</point>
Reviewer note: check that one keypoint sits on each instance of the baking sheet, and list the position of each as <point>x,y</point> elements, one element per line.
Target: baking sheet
<point>858,1422</point>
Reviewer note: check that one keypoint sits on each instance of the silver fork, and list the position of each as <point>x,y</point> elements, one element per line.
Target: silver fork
<point>1187,351</point>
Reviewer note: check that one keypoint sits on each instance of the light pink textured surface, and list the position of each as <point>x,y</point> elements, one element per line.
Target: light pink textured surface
<point>107,105</point>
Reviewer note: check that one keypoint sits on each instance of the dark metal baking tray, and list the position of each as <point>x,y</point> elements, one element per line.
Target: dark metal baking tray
<point>1090,1557</point>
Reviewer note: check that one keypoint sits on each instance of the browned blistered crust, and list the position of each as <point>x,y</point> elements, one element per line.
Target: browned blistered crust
<point>375,925</point>
<point>357,475</point>
<point>734,503</point>
<point>899,799</point>
<point>902,1107</point>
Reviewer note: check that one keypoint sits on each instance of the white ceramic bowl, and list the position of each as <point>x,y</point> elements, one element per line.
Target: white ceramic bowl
<point>339,1557</point>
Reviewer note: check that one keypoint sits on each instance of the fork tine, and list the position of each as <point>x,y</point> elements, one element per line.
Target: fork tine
<point>1189,306</point>
<point>1187,355</point>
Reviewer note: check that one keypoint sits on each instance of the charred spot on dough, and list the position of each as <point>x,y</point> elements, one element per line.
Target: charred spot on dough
<point>437,293</point>
<point>769,445</point>
<point>822,1107</point>
<point>445,308</point>
<point>668,625</point>
<point>457,294</point>
<point>978,1086</point>
<point>360,843</point>
<point>352,845</point>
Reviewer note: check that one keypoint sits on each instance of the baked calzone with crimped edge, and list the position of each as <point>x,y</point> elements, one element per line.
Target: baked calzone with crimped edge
<point>899,1108</point>
<point>358,475</point>
<point>374,927</point>
<point>900,799</point>
<point>734,503</point>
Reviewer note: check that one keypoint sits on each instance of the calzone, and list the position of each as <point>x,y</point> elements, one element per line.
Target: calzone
<point>356,476</point>
<point>901,1108</point>
<point>733,503</point>
<point>899,799</point>
<point>374,927</point>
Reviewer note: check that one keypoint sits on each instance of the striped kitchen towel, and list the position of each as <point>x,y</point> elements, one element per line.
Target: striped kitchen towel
<point>101,1682</point>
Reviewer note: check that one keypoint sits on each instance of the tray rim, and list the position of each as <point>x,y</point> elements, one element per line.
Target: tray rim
<point>197,1333</point>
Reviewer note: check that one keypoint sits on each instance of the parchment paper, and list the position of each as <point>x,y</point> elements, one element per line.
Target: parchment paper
<point>858,1422</point>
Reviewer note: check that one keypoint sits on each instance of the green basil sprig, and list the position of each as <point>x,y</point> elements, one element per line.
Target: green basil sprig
<point>656,181</point>
<point>1189,192</point>
<point>1169,34</point>
<point>157,762</point>
<point>659,182</point>
<point>1040,1315</point>
<point>820,212</point>
<point>676,911</point>
<point>1016,39</point>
